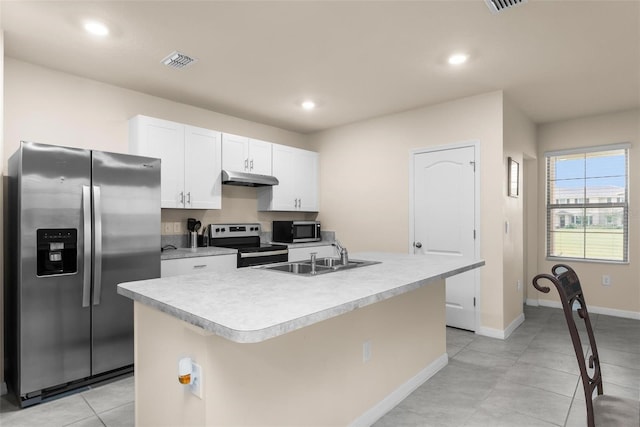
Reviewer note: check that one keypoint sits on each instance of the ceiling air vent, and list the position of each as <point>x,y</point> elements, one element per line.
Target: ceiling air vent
<point>178,60</point>
<point>501,5</point>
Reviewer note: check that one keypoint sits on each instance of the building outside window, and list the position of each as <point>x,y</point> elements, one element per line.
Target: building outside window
<point>587,203</point>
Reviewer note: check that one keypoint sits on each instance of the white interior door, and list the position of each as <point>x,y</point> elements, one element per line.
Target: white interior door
<point>444,221</point>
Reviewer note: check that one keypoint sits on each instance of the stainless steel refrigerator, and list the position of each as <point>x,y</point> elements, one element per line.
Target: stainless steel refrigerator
<point>80,222</point>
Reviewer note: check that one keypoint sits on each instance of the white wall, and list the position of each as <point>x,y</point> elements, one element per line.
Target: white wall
<point>623,296</point>
<point>364,181</point>
<point>519,143</point>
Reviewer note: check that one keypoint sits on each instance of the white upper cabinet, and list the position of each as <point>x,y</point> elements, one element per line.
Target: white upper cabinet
<point>191,161</point>
<point>242,154</point>
<point>297,171</point>
<point>202,168</point>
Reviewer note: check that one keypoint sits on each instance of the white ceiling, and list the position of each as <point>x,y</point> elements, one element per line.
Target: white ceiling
<point>358,59</point>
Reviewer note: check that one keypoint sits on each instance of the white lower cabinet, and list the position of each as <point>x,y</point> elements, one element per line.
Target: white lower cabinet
<point>217,263</point>
<point>301,254</point>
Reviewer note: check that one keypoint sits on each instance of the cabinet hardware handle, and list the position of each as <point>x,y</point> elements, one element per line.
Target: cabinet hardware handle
<point>251,165</point>
<point>246,164</point>
<point>182,197</point>
<point>200,266</point>
<point>295,203</point>
<point>417,245</point>
<point>189,197</point>
<point>300,203</point>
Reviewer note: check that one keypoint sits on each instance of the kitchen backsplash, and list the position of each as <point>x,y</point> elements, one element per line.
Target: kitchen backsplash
<point>180,240</point>
<point>239,204</point>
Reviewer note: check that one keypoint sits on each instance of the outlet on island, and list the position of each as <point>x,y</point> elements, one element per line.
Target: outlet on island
<point>366,351</point>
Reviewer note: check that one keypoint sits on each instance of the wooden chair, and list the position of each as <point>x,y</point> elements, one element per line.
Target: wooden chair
<point>602,410</point>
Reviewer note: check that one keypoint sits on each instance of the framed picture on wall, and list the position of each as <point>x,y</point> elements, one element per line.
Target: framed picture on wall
<point>514,178</point>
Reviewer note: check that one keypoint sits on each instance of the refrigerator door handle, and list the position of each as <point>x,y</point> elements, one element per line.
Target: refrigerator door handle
<point>86,232</point>
<point>97,241</point>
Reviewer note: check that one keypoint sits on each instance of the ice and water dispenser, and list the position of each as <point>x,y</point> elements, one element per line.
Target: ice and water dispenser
<point>57,251</point>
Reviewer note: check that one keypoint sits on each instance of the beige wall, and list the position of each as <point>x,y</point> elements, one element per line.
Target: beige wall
<point>624,292</point>
<point>311,376</point>
<point>364,181</point>
<point>519,143</point>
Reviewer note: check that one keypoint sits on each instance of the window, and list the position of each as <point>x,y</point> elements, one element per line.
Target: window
<point>587,203</point>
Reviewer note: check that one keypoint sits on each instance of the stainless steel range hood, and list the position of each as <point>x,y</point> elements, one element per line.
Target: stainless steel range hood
<point>248,179</point>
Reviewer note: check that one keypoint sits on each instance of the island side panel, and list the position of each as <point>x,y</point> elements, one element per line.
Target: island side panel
<point>312,376</point>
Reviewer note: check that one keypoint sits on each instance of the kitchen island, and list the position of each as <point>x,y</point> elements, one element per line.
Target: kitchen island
<point>279,349</point>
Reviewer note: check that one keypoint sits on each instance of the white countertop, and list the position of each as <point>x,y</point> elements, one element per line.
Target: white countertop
<point>252,305</point>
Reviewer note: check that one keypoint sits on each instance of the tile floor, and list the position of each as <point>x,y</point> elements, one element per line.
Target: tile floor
<point>529,379</point>
<point>108,405</point>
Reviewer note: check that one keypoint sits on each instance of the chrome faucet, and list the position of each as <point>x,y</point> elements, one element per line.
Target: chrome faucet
<point>313,262</point>
<point>344,255</point>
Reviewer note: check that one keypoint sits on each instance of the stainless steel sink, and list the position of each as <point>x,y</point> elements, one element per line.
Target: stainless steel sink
<point>323,266</point>
<point>297,268</point>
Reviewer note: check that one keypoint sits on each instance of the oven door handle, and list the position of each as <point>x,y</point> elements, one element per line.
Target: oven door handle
<point>260,254</point>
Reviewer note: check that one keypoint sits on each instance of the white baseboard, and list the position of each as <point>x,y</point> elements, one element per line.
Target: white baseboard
<point>501,334</point>
<point>532,302</point>
<point>593,309</point>
<point>398,395</point>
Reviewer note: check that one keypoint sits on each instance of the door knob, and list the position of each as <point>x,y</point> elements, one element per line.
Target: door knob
<point>417,245</point>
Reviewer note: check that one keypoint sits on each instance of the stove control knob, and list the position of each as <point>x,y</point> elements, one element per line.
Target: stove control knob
<point>217,230</point>
<point>223,230</point>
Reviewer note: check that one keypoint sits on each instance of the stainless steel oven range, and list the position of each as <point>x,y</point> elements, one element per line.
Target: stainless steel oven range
<point>246,239</point>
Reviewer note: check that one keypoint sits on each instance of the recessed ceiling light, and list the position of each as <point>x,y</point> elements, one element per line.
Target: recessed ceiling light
<point>308,105</point>
<point>458,58</point>
<point>96,28</point>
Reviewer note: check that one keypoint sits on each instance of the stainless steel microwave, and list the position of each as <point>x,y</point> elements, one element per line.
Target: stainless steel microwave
<point>296,231</point>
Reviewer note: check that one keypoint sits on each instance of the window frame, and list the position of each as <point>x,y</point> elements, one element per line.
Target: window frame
<point>585,205</point>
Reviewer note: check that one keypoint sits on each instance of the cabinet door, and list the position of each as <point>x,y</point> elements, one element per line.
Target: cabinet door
<point>202,170</point>
<point>164,140</point>
<point>283,197</point>
<point>297,171</point>
<point>235,152</point>
<point>260,157</point>
<point>307,180</point>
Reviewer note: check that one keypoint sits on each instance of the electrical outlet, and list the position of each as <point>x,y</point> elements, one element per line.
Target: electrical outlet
<point>167,228</point>
<point>366,351</point>
<point>196,386</point>
<point>176,227</point>
<point>606,280</point>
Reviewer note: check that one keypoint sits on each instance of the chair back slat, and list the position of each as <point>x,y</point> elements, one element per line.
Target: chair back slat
<point>569,289</point>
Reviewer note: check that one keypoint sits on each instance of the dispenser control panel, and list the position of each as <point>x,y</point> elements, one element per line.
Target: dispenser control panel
<point>57,251</point>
